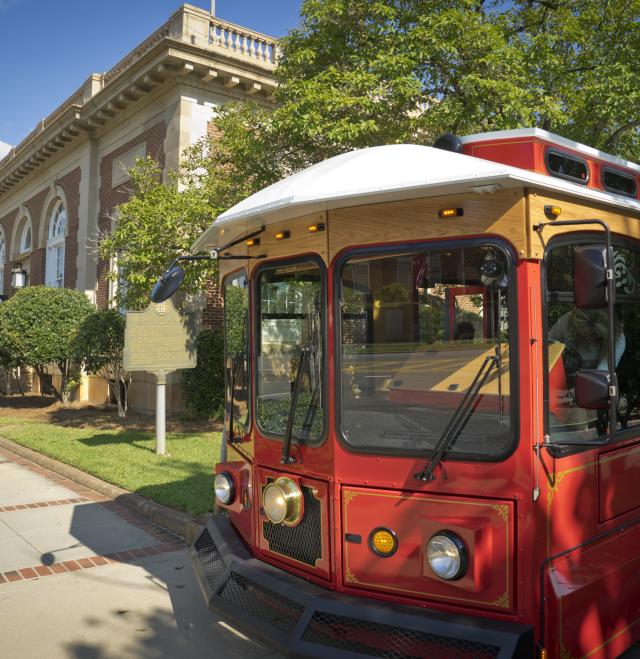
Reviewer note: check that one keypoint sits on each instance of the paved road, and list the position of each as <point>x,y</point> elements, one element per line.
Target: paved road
<point>83,577</point>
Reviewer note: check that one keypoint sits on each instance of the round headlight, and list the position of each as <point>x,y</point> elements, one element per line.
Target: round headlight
<point>225,491</point>
<point>447,555</point>
<point>282,501</point>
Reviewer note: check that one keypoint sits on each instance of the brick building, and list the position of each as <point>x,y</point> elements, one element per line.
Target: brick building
<point>60,185</point>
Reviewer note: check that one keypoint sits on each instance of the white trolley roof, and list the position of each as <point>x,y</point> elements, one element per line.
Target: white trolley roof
<point>380,174</point>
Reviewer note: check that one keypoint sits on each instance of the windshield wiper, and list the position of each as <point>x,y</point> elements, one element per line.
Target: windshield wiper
<point>459,418</point>
<point>287,458</point>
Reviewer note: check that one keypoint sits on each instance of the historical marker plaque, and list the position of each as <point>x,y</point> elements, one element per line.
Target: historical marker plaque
<point>159,339</point>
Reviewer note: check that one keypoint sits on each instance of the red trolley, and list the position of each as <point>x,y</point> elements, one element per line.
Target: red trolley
<point>432,437</point>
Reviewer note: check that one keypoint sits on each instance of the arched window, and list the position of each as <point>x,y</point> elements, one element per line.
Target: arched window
<point>25,237</point>
<point>55,247</point>
<point>3,257</point>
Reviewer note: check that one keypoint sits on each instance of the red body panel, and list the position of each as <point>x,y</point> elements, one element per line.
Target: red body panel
<point>485,526</point>
<point>593,593</point>
<point>529,153</point>
<point>618,478</point>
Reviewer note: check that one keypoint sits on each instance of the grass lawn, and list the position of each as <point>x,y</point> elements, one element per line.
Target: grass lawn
<point>125,456</point>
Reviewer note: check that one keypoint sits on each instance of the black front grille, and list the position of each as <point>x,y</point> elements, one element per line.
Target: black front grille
<point>390,642</point>
<point>209,557</point>
<point>271,607</point>
<point>302,542</point>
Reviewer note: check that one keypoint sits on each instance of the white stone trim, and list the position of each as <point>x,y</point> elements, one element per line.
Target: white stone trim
<point>55,245</point>
<point>3,258</point>
<point>19,233</point>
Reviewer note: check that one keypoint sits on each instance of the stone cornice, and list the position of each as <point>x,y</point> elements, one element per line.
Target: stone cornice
<point>192,47</point>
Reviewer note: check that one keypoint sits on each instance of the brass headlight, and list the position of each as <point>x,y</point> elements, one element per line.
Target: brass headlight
<point>282,501</point>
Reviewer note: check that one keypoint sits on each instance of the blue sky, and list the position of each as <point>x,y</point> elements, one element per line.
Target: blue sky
<point>49,47</point>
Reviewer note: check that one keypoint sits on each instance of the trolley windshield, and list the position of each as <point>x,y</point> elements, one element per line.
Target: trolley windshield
<point>416,329</point>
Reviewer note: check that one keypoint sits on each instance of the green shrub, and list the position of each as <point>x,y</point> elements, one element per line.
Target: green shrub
<point>37,328</point>
<point>99,345</point>
<point>203,386</point>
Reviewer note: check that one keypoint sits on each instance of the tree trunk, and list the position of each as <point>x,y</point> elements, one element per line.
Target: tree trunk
<point>120,388</point>
<point>117,390</point>
<point>17,376</point>
<point>65,394</point>
<point>41,374</point>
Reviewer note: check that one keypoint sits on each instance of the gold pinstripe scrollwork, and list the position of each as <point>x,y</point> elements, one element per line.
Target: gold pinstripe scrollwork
<point>502,601</point>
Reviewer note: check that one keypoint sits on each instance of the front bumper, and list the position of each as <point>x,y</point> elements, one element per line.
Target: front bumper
<point>304,620</point>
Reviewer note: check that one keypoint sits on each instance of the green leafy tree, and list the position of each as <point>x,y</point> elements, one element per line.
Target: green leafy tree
<point>38,326</point>
<point>99,346</point>
<point>361,73</point>
<point>157,223</point>
<point>582,54</point>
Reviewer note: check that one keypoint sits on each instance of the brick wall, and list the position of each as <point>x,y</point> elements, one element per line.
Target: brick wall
<point>7,224</point>
<point>35,206</point>
<point>70,183</point>
<point>213,313</point>
<point>213,130</point>
<point>37,262</point>
<point>37,259</point>
<point>110,196</point>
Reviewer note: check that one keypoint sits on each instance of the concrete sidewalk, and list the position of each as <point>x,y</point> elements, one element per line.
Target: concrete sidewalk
<point>82,576</point>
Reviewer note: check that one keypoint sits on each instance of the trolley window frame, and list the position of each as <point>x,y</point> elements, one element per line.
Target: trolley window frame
<point>232,275</point>
<point>567,177</point>
<point>514,352</point>
<point>619,172</point>
<point>255,344</point>
<point>556,448</point>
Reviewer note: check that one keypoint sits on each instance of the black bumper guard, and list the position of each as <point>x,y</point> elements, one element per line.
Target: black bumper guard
<point>304,620</point>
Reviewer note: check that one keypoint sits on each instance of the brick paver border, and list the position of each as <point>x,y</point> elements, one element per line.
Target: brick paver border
<point>166,541</point>
<point>42,504</point>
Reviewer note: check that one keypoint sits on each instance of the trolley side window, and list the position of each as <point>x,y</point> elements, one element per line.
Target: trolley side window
<point>577,339</point>
<point>565,166</point>
<point>236,325</point>
<point>420,331</point>
<point>619,182</point>
<point>290,350</point>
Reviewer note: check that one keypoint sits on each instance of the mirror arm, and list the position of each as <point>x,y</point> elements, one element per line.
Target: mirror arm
<point>236,257</point>
<point>241,240</point>
<point>611,344</point>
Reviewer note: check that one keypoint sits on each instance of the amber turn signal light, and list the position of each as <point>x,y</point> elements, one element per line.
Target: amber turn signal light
<point>383,542</point>
<point>450,212</point>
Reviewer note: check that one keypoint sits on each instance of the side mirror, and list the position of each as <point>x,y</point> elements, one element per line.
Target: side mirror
<point>592,389</point>
<point>590,276</point>
<point>168,284</point>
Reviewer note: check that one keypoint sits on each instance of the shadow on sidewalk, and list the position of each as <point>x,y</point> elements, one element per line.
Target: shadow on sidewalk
<point>154,611</point>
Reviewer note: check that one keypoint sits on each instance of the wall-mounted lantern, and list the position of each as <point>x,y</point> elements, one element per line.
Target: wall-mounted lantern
<point>18,277</point>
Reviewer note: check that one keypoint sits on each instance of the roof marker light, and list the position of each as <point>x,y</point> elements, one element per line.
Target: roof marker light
<point>253,242</point>
<point>316,228</point>
<point>283,235</point>
<point>552,212</point>
<point>450,212</point>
